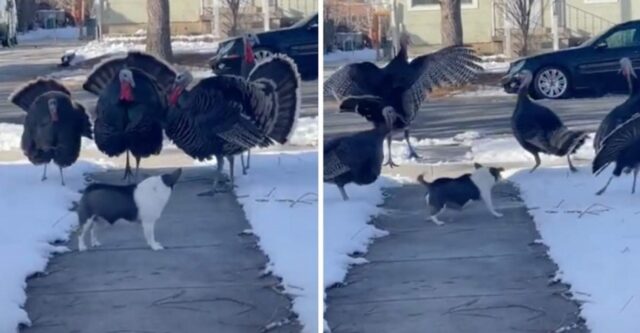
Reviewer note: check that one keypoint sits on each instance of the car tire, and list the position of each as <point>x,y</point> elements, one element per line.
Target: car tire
<point>552,82</point>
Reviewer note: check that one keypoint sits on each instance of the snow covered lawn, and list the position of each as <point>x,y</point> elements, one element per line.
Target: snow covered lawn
<point>495,63</point>
<point>595,240</point>
<point>347,229</point>
<point>280,199</point>
<point>34,214</point>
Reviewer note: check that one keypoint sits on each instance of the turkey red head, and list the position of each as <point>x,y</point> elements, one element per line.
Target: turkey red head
<point>126,85</point>
<point>53,109</point>
<point>180,83</point>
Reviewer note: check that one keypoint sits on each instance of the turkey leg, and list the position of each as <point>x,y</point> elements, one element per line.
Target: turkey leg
<point>412,152</point>
<point>635,176</point>
<point>127,169</point>
<point>231,171</point>
<point>61,176</point>
<point>605,187</point>
<point>537,157</point>
<point>137,167</point>
<point>44,174</point>
<point>571,167</point>
<point>389,162</point>
<point>345,197</point>
<point>216,178</point>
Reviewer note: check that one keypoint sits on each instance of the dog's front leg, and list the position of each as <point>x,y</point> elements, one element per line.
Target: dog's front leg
<point>82,246</point>
<point>148,227</point>
<point>488,201</point>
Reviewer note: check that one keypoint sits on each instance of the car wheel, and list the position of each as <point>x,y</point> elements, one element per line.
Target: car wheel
<point>260,53</point>
<point>552,82</point>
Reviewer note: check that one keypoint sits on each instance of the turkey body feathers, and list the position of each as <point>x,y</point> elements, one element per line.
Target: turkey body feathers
<point>621,146</point>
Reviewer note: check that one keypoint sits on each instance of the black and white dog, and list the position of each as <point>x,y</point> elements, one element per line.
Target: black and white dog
<point>144,202</point>
<point>455,193</point>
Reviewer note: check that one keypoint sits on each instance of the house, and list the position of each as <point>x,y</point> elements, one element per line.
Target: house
<point>484,20</point>
<point>190,17</point>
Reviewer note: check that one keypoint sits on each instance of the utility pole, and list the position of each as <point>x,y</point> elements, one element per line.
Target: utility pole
<point>395,34</point>
<point>265,13</point>
<point>216,18</point>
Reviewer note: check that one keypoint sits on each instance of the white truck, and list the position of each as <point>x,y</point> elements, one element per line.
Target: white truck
<point>8,23</point>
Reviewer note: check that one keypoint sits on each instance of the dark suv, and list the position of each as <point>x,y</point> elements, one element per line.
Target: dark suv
<point>593,66</point>
<point>299,41</point>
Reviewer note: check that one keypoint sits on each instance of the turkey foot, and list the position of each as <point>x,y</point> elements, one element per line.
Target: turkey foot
<point>391,163</point>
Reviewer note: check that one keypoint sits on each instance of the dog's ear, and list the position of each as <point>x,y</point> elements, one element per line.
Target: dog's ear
<point>477,165</point>
<point>170,179</point>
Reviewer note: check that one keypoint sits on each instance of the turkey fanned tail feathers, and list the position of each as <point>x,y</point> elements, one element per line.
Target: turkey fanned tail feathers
<point>564,141</point>
<point>161,72</point>
<point>615,143</point>
<point>278,78</point>
<point>30,91</point>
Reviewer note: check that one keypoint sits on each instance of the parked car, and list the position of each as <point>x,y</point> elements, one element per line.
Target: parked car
<point>299,41</point>
<point>8,23</point>
<point>592,67</point>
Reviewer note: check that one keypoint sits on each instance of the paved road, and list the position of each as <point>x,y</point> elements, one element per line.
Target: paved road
<point>27,62</point>
<point>206,280</point>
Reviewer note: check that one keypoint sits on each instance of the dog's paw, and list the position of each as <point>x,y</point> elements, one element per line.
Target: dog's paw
<point>82,247</point>
<point>95,243</point>
<point>498,215</point>
<point>156,246</point>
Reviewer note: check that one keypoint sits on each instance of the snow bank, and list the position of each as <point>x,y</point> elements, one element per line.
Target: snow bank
<point>483,91</point>
<point>495,63</point>
<point>507,149</point>
<point>350,56</point>
<point>97,49</point>
<point>66,33</point>
<point>595,240</point>
<point>34,215</point>
<point>11,134</point>
<point>306,132</point>
<point>347,229</point>
<point>400,150</point>
<point>279,197</point>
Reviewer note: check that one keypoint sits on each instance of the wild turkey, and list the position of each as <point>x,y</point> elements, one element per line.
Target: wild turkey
<point>622,146</point>
<point>539,130</point>
<point>54,125</point>
<point>357,158</point>
<point>226,115</point>
<point>624,111</point>
<point>131,105</point>
<point>366,89</point>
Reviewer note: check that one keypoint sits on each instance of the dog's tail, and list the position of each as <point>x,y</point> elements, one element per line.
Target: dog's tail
<point>74,206</point>
<point>423,182</point>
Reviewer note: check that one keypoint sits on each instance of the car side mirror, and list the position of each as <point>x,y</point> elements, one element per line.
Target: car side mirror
<point>601,45</point>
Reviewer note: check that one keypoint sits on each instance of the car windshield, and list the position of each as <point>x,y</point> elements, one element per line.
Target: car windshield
<point>304,21</point>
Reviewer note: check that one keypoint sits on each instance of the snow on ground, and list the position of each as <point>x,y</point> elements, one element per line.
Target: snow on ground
<point>97,49</point>
<point>347,230</point>
<point>306,132</point>
<point>506,149</point>
<point>66,33</point>
<point>280,199</point>
<point>400,150</point>
<point>346,57</point>
<point>595,240</point>
<point>34,215</point>
<point>483,91</point>
<point>495,63</point>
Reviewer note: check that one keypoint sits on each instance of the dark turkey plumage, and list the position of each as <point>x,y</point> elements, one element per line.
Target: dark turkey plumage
<point>227,115</point>
<point>624,111</point>
<point>621,146</point>
<point>357,158</point>
<point>540,130</point>
<point>131,106</point>
<point>366,89</point>
<point>54,125</point>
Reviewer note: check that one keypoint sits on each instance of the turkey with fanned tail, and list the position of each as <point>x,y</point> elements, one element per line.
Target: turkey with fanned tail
<point>131,106</point>
<point>227,115</point>
<point>621,146</point>
<point>624,111</point>
<point>357,158</point>
<point>54,125</point>
<point>366,89</point>
<point>539,130</point>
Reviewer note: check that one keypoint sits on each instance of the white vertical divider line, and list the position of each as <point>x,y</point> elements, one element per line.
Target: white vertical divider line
<point>320,146</point>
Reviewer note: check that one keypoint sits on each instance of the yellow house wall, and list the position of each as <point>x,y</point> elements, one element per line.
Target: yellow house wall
<point>424,24</point>
<point>129,12</point>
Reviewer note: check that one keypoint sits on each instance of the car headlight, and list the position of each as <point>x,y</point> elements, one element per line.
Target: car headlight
<point>516,67</point>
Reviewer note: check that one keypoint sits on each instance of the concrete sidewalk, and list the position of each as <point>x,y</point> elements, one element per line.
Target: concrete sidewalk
<point>475,274</point>
<point>206,280</point>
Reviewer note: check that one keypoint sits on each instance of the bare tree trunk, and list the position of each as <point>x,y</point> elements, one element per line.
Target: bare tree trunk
<point>158,29</point>
<point>451,22</point>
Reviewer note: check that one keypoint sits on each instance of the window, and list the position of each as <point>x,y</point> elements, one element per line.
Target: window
<point>600,1</point>
<point>435,4</point>
<point>623,38</point>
